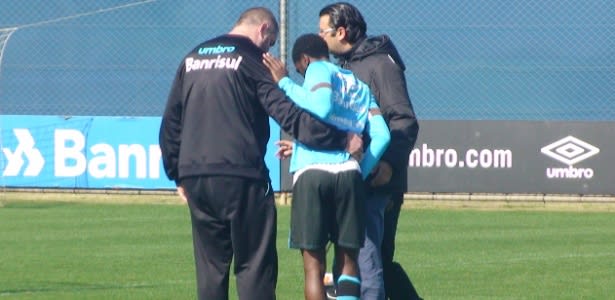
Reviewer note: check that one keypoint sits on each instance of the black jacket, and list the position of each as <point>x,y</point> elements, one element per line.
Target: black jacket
<point>216,120</point>
<point>375,60</point>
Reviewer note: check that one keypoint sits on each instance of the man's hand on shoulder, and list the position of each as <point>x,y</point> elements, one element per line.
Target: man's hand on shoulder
<point>275,66</point>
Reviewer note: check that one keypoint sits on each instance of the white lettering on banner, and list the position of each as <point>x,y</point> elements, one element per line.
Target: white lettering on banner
<point>102,165</point>
<point>425,157</point>
<point>70,160</point>
<point>25,147</point>
<point>570,150</point>
<point>64,152</point>
<point>570,172</point>
<point>126,152</point>
<point>155,156</point>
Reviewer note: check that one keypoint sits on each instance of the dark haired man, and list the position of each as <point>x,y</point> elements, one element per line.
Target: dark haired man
<point>375,61</point>
<point>328,189</point>
<point>213,139</point>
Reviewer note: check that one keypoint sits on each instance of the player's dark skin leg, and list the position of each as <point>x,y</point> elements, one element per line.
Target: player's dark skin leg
<point>314,265</point>
<point>347,264</point>
<point>346,260</point>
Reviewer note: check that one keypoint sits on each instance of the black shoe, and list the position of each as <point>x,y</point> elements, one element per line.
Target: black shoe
<point>330,292</point>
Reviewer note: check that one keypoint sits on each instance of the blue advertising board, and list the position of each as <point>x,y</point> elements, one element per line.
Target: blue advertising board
<point>90,152</point>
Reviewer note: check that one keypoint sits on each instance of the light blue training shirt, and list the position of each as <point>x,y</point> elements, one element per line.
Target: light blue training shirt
<point>338,98</point>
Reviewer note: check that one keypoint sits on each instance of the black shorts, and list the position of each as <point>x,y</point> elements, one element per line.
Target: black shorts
<point>326,207</point>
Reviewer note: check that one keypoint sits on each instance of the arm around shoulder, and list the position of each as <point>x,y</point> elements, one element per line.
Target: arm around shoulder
<point>297,122</point>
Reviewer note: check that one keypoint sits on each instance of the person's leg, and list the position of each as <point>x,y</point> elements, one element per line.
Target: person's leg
<point>211,236</point>
<point>253,231</point>
<point>349,233</point>
<point>314,270</point>
<point>370,261</point>
<point>349,281</point>
<point>311,216</point>
<point>311,210</point>
<point>397,283</point>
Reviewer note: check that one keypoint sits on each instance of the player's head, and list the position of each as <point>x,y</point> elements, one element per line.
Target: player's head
<point>307,48</point>
<point>341,25</point>
<point>260,25</point>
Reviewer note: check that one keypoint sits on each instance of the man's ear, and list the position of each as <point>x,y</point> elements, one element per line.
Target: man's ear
<point>340,33</point>
<point>262,29</point>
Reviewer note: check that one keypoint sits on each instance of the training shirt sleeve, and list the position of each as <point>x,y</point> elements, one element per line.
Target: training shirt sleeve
<point>380,139</point>
<point>315,94</point>
<point>299,123</point>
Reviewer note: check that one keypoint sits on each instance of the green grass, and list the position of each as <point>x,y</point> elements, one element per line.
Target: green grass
<point>62,250</point>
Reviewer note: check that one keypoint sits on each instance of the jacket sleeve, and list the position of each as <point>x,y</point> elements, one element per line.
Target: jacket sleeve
<point>389,87</point>
<point>170,128</point>
<point>299,123</point>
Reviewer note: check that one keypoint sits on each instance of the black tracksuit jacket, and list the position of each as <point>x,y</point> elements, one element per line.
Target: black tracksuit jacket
<point>216,118</point>
<point>375,61</point>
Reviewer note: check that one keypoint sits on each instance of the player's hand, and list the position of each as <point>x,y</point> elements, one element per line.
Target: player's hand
<point>285,149</point>
<point>275,66</point>
<point>354,146</point>
<point>381,174</point>
<point>182,194</point>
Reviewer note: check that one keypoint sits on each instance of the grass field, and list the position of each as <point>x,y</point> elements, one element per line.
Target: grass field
<point>70,248</point>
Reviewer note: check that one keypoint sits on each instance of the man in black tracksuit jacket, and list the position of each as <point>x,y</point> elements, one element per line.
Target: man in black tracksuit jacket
<point>367,60</point>
<point>375,61</point>
<point>213,139</point>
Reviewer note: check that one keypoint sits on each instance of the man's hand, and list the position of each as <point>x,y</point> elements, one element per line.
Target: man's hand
<point>182,194</point>
<point>354,146</point>
<point>276,67</point>
<point>381,174</point>
<point>285,149</point>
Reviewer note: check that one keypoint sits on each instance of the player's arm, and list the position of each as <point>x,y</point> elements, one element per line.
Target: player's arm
<point>380,138</point>
<point>299,123</point>
<point>316,94</point>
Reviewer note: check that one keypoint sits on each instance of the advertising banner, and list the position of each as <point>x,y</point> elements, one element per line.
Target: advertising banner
<point>449,156</point>
<point>90,152</point>
<point>514,157</point>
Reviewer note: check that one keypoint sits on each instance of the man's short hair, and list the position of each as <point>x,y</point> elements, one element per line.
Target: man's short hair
<point>343,14</point>
<point>257,16</point>
<point>311,45</point>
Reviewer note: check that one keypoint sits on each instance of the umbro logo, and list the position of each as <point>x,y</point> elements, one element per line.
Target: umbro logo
<point>570,150</point>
